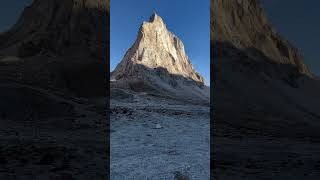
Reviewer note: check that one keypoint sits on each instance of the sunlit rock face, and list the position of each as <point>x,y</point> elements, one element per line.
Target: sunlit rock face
<point>156,47</point>
<point>157,59</point>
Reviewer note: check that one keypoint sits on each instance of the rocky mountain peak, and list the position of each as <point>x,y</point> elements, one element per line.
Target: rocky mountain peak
<point>59,27</point>
<point>157,47</point>
<point>59,44</point>
<point>155,18</point>
<point>155,25</point>
<point>244,24</point>
<point>157,57</point>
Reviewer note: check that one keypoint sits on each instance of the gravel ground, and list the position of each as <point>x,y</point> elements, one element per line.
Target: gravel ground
<point>47,136</point>
<point>159,138</point>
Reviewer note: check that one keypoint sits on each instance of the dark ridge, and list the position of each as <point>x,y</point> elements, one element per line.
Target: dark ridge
<point>256,98</point>
<point>59,27</point>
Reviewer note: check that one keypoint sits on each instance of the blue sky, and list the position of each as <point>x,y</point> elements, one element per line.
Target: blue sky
<point>298,21</point>
<point>188,19</point>
<point>10,11</point>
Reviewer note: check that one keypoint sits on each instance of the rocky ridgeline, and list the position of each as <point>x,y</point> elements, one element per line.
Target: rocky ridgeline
<point>158,58</point>
<point>245,25</point>
<point>59,45</point>
<point>59,27</point>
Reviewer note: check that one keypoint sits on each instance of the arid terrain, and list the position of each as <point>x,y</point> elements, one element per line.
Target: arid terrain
<point>160,113</point>
<point>49,136</point>
<point>154,137</point>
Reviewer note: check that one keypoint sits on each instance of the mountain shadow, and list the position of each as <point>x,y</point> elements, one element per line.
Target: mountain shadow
<point>60,45</point>
<point>261,106</point>
<point>53,90</point>
<point>159,81</point>
<point>252,87</point>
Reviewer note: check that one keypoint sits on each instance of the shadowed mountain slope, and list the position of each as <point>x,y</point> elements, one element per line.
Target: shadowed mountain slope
<point>245,25</point>
<point>60,45</point>
<point>53,75</point>
<point>265,99</point>
<point>59,26</point>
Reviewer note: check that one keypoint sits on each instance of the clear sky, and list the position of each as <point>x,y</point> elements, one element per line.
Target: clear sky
<point>298,21</point>
<point>188,19</point>
<point>10,12</point>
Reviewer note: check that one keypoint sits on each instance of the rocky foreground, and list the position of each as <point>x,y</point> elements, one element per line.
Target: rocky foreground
<point>45,135</point>
<point>156,137</point>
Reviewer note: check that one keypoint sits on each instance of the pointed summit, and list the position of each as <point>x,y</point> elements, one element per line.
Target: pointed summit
<point>158,58</point>
<point>157,47</point>
<point>155,17</point>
